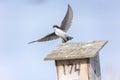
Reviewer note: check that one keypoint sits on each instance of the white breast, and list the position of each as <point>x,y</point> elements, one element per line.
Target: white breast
<point>60,33</point>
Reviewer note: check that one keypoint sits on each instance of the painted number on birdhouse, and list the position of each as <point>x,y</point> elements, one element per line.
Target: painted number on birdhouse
<point>69,70</point>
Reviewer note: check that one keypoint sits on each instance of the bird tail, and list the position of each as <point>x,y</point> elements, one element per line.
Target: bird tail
<point>67,39</point>
<point>32,42</point>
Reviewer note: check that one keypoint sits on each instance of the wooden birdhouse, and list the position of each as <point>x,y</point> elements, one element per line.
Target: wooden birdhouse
<point>77,61</point>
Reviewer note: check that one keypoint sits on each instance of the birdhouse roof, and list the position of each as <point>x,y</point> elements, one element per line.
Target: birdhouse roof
<point>76,50</point>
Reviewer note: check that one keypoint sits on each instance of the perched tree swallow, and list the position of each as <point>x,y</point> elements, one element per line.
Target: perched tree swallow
<point>60,31</point>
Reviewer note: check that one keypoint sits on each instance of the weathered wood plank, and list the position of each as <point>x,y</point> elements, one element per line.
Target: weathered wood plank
<point>72,69</point>
<point>76,50</point>
<point>94,68</point>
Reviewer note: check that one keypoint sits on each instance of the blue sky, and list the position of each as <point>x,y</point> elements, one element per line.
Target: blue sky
<point>22,21</point>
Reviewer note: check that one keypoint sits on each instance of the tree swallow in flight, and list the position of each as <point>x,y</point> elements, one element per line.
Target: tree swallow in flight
<point>60,31</point>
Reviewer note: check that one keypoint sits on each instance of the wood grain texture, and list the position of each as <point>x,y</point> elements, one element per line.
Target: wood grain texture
<point>94,68</point>
<point>75,50</point>
<point>72,69</point>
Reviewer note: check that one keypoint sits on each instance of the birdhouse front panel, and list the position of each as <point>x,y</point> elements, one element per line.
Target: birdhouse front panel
<point>72,69</point>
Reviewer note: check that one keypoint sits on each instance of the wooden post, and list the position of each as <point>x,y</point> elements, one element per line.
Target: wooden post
<point>77,61</point>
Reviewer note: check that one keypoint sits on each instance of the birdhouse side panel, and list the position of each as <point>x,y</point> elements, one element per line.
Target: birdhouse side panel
<point>94,68</point>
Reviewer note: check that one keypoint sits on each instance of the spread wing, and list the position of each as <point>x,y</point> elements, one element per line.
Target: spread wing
<point>66,23</point>
<point>46,38</point>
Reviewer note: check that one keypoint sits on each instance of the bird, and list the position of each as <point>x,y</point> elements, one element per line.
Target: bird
<point>60,31</point>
